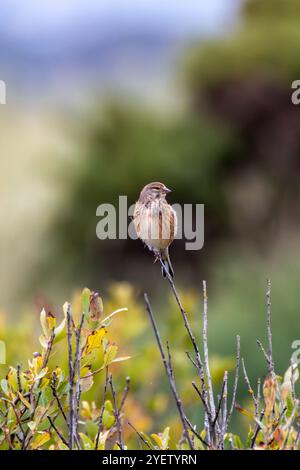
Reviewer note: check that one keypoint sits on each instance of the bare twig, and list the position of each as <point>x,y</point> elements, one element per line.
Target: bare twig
<point>20,425</point>
<point>236,379</point>
<point>77,364</point>
<point>293,373</point>
<point>116,413</point>
<point>267,357</point>
<point>223,423</point>
<point>167,369</point>
<point>257,429</point>
<point>290,423</point>
<point>71,378</point>
<point>125,394</point>
<point>48,351</point>
<point>19,378</point>
<point>192,428</point>
<point>258,397</point>
<point>58,432</point>
<point>269,330</point>
<point>200,394</point>
<point>53,388</point>
<point>139,435</point>
<point>205,352</point>
<point>100,425</point>
<point>187,326</point>
<point>250,389</point>
<point>222,396</point>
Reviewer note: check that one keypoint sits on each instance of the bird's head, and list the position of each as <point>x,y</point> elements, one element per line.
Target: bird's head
<point>154,191</point>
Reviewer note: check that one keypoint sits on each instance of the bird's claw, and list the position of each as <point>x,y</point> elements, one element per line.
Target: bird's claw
<point>156,258</point>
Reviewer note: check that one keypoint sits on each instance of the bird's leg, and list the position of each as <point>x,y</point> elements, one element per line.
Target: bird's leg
<point>157,256</point>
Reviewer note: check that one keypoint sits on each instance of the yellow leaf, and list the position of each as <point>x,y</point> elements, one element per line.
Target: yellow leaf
<point>94,340</point>
<point>24,401</point>
<point>244,412</point>
<point>157,440</point>
<point>41,438</point>
<point>51,321</point>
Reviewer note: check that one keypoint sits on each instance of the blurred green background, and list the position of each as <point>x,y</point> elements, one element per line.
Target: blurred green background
<point>100,102</point>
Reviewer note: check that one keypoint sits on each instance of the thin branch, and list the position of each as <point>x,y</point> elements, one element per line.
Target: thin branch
<point>250,389</point>
<point>200,394</point>
<point>48,351</point>
<point>270,351</point>
<point>58,432</point>
<point>167,369</point>
<point>77,364</point>
<point>20,425</point>
<point>100,425</point>
<point>205,352</point>
<point>258,396</point>
<point>257,429</point>
<point>71,378</point>
<point>192,428</point>
<point>19,378</point>
<point>125,394</point>
<point>293,373</point>
<point>236,379</point>
<point>139,435</point>
<point>221,398</point>
<point>53,388</point>
<point>187,326</point>
<point>116,413</point>
<point>289,426</point>
<point>223,418</point>
<point>265,354</point>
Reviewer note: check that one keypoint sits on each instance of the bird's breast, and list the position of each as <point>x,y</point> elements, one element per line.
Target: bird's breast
<point>155,224</point>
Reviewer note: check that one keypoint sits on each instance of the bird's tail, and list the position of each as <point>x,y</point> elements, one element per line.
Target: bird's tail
<point>167,263</point>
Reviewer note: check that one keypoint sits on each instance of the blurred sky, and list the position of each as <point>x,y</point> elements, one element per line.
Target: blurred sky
<point>66,43</point>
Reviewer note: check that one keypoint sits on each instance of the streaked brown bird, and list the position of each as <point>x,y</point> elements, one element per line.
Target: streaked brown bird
<point>155,222</point>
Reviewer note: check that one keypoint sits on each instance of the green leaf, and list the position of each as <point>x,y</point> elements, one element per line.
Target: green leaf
<point>85,299</point>
<point>60,331</point>
<point>87,442</point>
<point>4,386</point>
<point>110,354</point>
<point>91,428</point>
<point>32,425</point>
<point>108,415</point>
<point>166,437</point>
<point>44,323</point>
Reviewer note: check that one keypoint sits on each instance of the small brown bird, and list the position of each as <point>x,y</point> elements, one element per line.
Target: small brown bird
<point>155,222</point>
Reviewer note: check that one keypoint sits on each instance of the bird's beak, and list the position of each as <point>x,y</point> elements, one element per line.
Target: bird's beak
<point>167,190</point>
